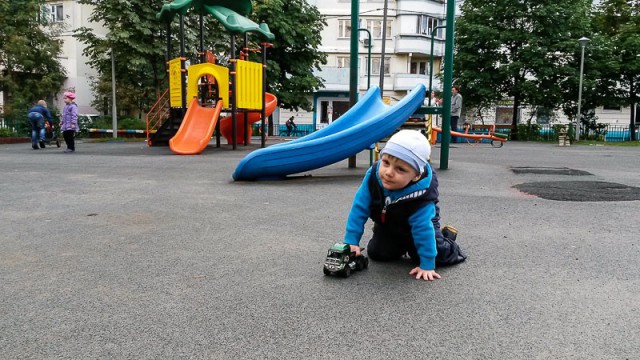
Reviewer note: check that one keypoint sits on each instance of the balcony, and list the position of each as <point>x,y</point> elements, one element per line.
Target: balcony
<point>404,82</point>
<point>418,44</point>
<point>335,78</point>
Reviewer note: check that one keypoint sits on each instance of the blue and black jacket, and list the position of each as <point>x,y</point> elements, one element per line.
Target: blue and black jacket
<point>405,214</point>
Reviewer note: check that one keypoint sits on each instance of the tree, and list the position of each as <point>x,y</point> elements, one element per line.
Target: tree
<point>521,50</point>
<point>30,50</point>
<point>139,43</point>
<point>296,26</point>
<point>616,25</point>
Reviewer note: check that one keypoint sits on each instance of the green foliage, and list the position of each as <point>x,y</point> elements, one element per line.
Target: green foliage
<point>134,38</point>
<point>296,26</point>
<point>29,55</point>
<point>529,132</point>
<point>521,50</point>
<point>614,64</point>
<point>124,123</point>
<point>139,43</point>
<point>6,132</point>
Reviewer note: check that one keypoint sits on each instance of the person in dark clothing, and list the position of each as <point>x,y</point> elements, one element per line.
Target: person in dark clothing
<point>400,194</point>
<point>37,116</point>
<point>291,126</point>
<point>456,108</point>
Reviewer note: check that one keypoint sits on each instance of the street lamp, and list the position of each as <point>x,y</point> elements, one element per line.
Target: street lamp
<point>583,43</point>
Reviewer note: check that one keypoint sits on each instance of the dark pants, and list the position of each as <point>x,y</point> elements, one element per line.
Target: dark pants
<point>69,139</point>
<point>454,127</point>
<point>386,247</point>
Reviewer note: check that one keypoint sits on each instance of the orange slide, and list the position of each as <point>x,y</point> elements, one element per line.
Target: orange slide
<point>226,124</point>
<point>196,129</point>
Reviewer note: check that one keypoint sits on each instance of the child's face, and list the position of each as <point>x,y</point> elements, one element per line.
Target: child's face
<point>67,100</point>
<point>395,173</point>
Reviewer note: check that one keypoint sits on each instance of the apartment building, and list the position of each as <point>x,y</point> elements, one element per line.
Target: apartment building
<point>407,52</point>
<point>75,15</point>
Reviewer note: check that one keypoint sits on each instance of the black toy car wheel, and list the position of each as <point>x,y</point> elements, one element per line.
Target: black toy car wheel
<point>346,272</point>
<point>326,271</point>
<point>365,263</point>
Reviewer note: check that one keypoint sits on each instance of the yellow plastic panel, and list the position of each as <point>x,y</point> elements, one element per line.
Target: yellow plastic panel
<point>175,85</point>
<point>221,74</point>
<point>248,85</point>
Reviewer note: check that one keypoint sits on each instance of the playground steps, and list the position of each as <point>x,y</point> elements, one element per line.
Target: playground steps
<point>168,129</point>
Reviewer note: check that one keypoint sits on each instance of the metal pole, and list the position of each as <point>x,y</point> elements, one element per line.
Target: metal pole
<point>578,115</point>
<point>368,58</point>
<point>448,82</point>
<point>202,55</point>
<point>353,63</point>
<point>114,116</point>
<point>183,74</point>
<point>384,42</point>
<point>263,120</point>
<point>234,110</point>
<point>353,57</point>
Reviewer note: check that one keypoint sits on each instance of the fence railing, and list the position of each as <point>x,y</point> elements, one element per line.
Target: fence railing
<point>607,133</point>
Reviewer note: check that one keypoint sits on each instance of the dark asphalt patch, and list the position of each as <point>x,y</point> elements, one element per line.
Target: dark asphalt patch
<point>580,191</point>
<point>549,171</point>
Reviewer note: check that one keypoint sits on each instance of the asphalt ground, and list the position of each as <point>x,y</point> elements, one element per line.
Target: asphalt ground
<point>125,251</point>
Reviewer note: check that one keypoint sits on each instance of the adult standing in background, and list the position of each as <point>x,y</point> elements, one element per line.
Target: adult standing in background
<point>37,115</point>
<point>456,107</point>
<point>69,124</point>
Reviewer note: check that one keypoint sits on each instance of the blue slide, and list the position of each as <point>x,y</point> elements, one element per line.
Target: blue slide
<point>369,121</point>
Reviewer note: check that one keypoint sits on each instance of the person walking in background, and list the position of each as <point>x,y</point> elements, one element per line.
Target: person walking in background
<point>69,123</point>
<point>37,116</point>
<point>456,107</point>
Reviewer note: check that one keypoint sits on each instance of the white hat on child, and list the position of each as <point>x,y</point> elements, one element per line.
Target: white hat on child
<point>409,146</point>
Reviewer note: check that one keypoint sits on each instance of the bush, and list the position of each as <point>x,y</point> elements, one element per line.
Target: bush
<point>529,132</point>
<point>5,132</point>
<point>126,123</point>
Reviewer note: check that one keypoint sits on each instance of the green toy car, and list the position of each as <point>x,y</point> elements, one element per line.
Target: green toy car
<point>342,261</point>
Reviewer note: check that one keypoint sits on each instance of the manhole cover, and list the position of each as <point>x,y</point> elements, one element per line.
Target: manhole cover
<point>549,171</point>
<point>580,191</point>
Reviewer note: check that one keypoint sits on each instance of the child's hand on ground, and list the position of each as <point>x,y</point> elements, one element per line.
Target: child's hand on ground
<point>427,275</point>
<point>356,249</point>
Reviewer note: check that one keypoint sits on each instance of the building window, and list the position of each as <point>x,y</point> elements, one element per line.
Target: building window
<point>426,24</point>
<point>419,67</point>
<point>344,28</point>
<point>375,66</point>
<point>343,61</point>
<point>56,12</point>
<point>375,26</point>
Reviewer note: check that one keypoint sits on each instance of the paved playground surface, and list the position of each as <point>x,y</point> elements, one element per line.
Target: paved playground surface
<point>124,251</point>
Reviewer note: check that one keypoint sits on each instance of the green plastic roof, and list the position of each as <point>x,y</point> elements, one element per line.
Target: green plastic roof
<point>237,23</point>
<point>231,13</point>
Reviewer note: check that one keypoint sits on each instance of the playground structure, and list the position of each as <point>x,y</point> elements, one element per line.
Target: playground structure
<point>196,105</point>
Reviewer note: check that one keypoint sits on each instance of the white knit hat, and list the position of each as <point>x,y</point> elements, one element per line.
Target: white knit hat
<point>409,146</point>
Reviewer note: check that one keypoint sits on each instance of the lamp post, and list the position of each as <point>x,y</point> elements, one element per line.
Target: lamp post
<point>583,43</point>
<point>114,112</point>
